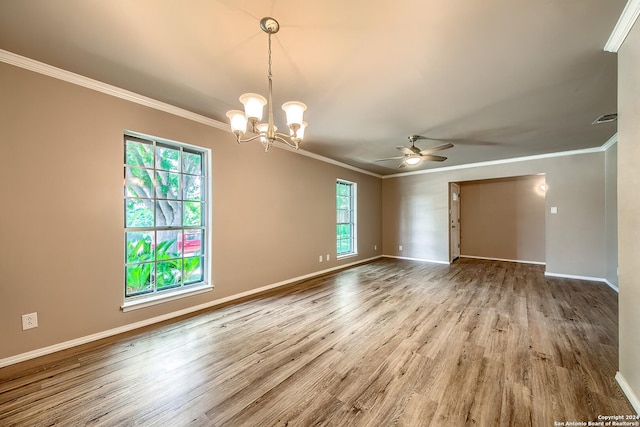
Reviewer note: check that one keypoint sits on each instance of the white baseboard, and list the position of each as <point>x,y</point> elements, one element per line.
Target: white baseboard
<point>633,399</point>
<point>612,286</point>
<point>126,328</point>
<point>417,259</point>
<point>502,259</point>
<point>592,279</point>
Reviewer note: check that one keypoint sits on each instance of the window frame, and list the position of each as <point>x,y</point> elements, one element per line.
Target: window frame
<point>353,216</point>
<point>155,295</point>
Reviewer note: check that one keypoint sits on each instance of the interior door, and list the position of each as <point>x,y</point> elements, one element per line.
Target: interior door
<point>454,221</point>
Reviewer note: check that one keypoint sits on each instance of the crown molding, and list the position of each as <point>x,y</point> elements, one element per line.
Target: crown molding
<point>337,163</point>
<point>603,147</point>
<point>610,142</point>
<point>328,160</point>
<point>623,26</point>
<point>77,79</point>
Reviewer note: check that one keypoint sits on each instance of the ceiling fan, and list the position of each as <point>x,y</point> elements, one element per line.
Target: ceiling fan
<point>413,155</point>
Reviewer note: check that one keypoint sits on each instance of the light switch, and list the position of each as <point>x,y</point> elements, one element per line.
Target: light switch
<point>554,209</point>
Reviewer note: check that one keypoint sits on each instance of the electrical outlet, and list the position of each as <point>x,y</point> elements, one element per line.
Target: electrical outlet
<point>327,257</point>
<point>375,247</point>
<point>29,321</point>
<point>400,247</point>
<point>320,259</point>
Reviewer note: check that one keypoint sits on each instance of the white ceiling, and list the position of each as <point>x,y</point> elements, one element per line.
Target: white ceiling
<point>500,78</point>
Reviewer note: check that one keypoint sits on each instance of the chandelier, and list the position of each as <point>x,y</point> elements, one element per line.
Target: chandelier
<point>254,106</point>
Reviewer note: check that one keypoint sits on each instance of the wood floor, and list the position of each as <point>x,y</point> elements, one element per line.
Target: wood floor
<point>391,343</point>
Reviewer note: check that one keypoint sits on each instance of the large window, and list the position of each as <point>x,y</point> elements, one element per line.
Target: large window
<point>165,207</point>
<point>346,218</point>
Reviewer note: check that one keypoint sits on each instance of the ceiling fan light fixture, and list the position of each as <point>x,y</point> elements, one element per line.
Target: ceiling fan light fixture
<point>414,160</point>
<point>412,156</point>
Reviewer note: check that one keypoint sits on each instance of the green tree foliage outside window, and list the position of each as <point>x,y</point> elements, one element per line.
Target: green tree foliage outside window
<point>164,204</point>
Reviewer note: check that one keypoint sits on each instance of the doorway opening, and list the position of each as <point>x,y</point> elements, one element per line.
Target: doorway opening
<point>498,219</point>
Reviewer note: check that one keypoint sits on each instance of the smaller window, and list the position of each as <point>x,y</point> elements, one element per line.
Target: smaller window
<point>346,218</point>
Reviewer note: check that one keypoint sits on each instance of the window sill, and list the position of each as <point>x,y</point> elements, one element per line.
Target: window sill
<point>148,301</point>
<point>347,255</point>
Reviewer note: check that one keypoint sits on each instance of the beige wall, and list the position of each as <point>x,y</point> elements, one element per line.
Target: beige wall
<point>503,218</point>
<point>415,211</point>
<point>61,234</point>
<point>629,207</point>
<point>61,222</point>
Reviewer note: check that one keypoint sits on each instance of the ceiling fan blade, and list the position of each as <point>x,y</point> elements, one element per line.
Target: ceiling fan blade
<point>389,158</point>
<point>434,158</point>
<point>436,148</point>
<point>462,141</point>
<point>405,150</point>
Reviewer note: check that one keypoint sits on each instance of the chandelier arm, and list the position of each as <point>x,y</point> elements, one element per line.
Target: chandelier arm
<point>285,140</point>
<point>241,140</point>
<point>284,136</point>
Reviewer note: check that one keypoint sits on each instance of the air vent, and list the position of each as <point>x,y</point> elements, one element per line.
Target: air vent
<point>606,118</point>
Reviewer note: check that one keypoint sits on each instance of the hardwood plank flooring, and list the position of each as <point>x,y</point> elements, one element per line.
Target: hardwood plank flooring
<point>390,343</point>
